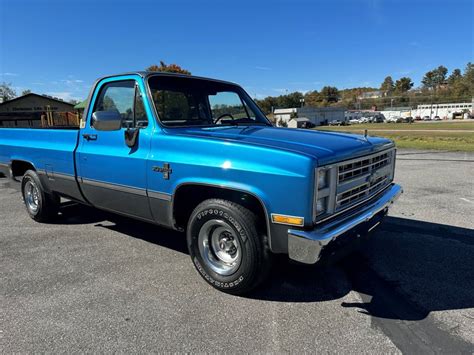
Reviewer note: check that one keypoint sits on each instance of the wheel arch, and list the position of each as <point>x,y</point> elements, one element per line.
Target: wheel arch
<point>188,195</point>
<point>19,167</point>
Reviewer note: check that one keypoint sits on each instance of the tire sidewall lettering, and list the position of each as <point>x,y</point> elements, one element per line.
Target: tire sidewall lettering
<point>202,217</point>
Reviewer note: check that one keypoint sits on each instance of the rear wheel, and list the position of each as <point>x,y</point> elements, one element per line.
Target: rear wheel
<point>41,206</point>
<point>226,247</point>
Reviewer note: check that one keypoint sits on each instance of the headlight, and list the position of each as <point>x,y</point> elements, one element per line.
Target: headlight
<point>322,178</point>
<point>321,206</point>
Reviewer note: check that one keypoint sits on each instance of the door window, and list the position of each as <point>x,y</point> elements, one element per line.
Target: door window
<point>123,97</point>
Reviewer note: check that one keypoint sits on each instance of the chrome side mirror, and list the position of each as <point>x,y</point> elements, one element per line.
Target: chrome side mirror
<point>107,120</point>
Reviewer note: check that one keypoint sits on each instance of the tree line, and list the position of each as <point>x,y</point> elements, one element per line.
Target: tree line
<point>437,87</point>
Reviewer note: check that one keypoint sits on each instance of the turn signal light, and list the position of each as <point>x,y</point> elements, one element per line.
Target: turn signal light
<point>294,221</point>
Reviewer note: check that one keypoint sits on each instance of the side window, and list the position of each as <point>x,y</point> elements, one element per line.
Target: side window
<point>123,97</point>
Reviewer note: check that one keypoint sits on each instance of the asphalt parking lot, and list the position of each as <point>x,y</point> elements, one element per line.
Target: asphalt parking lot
<point>96,282</point>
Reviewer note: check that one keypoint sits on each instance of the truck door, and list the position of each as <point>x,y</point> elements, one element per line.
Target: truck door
<point>112,174</point>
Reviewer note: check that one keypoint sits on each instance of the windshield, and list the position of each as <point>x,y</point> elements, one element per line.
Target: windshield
<point>181,101</point>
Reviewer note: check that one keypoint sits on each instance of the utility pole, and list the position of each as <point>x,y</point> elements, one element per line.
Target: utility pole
<point>431,106</point>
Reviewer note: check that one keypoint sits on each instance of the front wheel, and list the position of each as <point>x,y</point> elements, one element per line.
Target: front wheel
<point>226,247</point>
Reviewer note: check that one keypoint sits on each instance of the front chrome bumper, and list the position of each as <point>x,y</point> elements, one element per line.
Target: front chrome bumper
<point>306,246</point>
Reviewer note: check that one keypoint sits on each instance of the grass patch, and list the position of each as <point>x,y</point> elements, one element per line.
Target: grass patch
<point>432,126</point>
<point>432,138</point>
<point>453,141</point>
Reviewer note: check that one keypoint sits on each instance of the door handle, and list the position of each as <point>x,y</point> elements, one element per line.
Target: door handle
<point>90,137</point>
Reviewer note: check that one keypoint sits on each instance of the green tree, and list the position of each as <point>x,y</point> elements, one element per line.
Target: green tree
<point>169,68</point>
<point>267,104</point>
<point>463,88</point>
<point>387,85</point>
<point>468,77</point>
<point>428,80</point>
<point>330,94</point>
<point>7,92</point>
<point>455,76</point>
<point>312,98</point>
<point>402,85</point>
<point>25,92</point>
<point>108,104</point>
<point>435,78</point>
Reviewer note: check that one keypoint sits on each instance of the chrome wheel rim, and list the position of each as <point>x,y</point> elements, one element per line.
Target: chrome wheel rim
<point>220,247</point>
<point>31,194</point>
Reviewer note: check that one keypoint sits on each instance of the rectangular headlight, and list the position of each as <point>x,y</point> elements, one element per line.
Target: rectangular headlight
<point>321,206</point>
<point>322,179</point>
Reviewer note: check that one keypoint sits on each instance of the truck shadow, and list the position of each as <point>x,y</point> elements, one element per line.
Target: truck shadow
<point>407,269</point>
<point>74,213</point>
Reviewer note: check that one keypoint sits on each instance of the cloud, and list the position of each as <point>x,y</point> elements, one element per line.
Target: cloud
<point>414,44</point>
<point>9,74</point>
<point>262,68</point>
<point>67,88</point>
<point>72,82</point>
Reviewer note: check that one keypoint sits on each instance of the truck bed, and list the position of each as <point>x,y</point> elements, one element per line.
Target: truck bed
<point>50,150</point>
<point>45,147</point>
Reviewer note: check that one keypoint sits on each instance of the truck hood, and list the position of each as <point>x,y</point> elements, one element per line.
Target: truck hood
<point>326,147</point>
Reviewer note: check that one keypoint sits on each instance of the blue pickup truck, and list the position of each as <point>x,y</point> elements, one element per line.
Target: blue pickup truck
<point>199,156</point>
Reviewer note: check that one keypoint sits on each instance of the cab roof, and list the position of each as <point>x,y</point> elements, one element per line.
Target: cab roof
<point>147,74</point>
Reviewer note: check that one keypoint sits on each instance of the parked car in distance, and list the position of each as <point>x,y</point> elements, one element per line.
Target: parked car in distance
<point>418,118</point>
<point>437,118</point>
<point>394,119</point>
<point>335,123</point>
<point>197,155</point>
<point>426,118</point>
<point>377,119</point>
<point>408,119</point>
<point>354,121</point>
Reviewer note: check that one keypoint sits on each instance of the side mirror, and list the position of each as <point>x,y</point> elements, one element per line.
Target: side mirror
<point>107,120</point>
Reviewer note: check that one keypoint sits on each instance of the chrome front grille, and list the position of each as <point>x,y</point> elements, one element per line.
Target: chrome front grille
<point>354,169</point>
<point>363,177</point>
<point>354,181</point>
<point>360,192</point>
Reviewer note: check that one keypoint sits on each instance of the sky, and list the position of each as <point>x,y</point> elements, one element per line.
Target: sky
<point>269,47</point>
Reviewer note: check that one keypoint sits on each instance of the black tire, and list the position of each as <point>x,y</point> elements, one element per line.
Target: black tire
<point>40,205</point>
<point>235,230</point>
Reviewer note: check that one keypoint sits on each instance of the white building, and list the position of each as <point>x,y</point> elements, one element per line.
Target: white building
<point>315,115</point>
<point>444,111</point>
<point>396,112</point>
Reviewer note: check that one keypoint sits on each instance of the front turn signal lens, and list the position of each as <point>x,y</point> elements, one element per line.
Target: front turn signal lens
<point>291,220</point>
